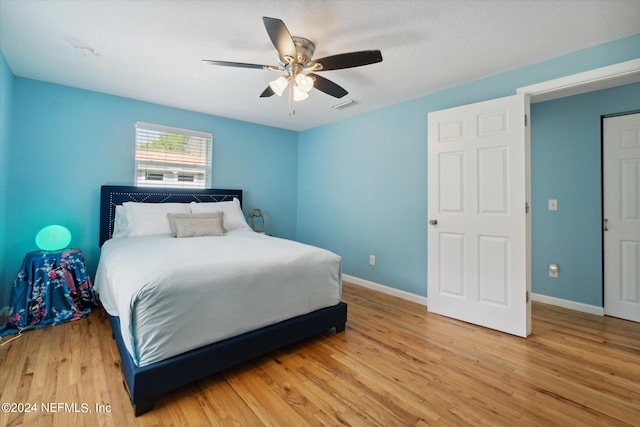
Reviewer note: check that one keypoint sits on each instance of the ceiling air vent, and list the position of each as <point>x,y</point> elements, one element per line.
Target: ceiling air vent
<point>343,104</point>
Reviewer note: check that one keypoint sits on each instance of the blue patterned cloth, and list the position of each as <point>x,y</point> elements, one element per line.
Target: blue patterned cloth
<point>50,288</point>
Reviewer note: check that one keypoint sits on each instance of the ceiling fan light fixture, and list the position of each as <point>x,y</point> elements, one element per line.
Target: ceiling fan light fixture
<point>304,82</point>
<point>279,85</point>
<point>299,95</point>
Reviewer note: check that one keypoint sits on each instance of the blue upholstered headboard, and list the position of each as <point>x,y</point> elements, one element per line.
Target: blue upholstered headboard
<point>112,195</point>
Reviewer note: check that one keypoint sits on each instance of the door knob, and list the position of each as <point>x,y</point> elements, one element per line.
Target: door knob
<point>433,221</point>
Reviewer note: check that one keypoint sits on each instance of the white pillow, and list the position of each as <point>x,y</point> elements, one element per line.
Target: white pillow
<point>120,223</point>
<point>151,218</point>
<point>233,218</point>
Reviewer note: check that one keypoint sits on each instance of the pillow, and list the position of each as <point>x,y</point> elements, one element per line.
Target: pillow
<point>151,218</point>
<point>233,217</point>
<point>120,223</point>
<point>191,227</point>
<point>174,217</point>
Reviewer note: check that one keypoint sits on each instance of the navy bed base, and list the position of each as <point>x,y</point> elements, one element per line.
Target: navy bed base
<point>146,383</point>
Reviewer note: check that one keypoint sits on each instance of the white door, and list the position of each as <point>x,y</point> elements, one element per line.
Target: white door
<point>478,243</point>
<point>621,172</point>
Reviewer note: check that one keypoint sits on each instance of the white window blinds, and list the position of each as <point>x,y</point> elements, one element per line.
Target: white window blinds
<point>172,157</point>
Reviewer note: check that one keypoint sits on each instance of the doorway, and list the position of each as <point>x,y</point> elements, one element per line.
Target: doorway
<point>602,78</point>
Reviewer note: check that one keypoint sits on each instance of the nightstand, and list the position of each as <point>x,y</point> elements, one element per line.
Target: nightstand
<point>51,287</point>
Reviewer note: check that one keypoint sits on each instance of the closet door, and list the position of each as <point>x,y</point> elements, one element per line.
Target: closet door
<point>621,174</point>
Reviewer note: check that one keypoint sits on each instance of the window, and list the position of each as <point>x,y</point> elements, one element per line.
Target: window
<point>172,157</point>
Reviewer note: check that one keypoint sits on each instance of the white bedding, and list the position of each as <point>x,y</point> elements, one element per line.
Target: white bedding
<point>176,294</point>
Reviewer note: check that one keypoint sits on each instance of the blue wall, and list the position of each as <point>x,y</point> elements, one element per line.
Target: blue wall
<point>6,97</point>
<point>363,181</point>
<point>566,165</point>
<point>357,187</point>
<point>362,191</point>
<point>66,143</point>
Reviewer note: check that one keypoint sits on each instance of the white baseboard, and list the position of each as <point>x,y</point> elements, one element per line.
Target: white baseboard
<point>571,305</point>
<point>386,289</point>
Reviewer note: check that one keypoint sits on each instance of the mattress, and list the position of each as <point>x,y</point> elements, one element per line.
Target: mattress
<point>173,295</point>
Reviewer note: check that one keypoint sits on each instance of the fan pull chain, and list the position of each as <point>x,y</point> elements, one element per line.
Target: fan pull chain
<point>292,108</point>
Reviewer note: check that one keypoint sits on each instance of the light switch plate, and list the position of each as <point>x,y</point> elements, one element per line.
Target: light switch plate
<point>553,204</point>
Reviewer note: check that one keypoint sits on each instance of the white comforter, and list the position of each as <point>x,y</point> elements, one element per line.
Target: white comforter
<point>173,295</point>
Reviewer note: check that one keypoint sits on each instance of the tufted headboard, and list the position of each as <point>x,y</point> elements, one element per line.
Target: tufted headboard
<point>112,195</point>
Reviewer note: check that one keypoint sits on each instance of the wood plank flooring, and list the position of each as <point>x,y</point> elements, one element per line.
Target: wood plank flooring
<point>394,365</point>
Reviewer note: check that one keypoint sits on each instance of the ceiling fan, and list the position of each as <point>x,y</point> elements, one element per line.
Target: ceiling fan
<point>298,69</point>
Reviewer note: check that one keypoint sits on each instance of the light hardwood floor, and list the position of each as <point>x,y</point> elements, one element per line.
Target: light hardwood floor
<point>395,364</point>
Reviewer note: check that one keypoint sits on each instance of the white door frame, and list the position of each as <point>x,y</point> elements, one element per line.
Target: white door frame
<point>600,78</point>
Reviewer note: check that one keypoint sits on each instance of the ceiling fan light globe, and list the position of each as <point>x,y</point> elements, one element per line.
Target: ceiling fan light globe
<point>279,85</point>
<point>299,95</point>
<point>304,83</point>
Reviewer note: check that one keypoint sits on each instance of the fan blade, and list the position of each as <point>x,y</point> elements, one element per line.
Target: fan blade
<point>348,60</point>
<point>267,92</point>
<point>237,64</point>
<point>281,38</point>
<point>327,86</point>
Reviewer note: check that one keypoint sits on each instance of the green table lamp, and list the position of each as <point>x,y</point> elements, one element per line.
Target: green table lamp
<point>53,238</point>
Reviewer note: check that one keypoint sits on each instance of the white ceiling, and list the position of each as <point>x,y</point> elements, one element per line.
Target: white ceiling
<point>152,50</point>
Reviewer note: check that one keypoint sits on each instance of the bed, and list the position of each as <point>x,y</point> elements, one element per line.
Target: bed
<point>210,310</point>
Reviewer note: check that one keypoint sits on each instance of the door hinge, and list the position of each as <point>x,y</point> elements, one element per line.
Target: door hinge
<point>526,207</point>
<point>526,120</point>
<point>527,296</point>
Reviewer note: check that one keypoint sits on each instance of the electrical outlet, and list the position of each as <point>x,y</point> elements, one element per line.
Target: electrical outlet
<point>372,260</point>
